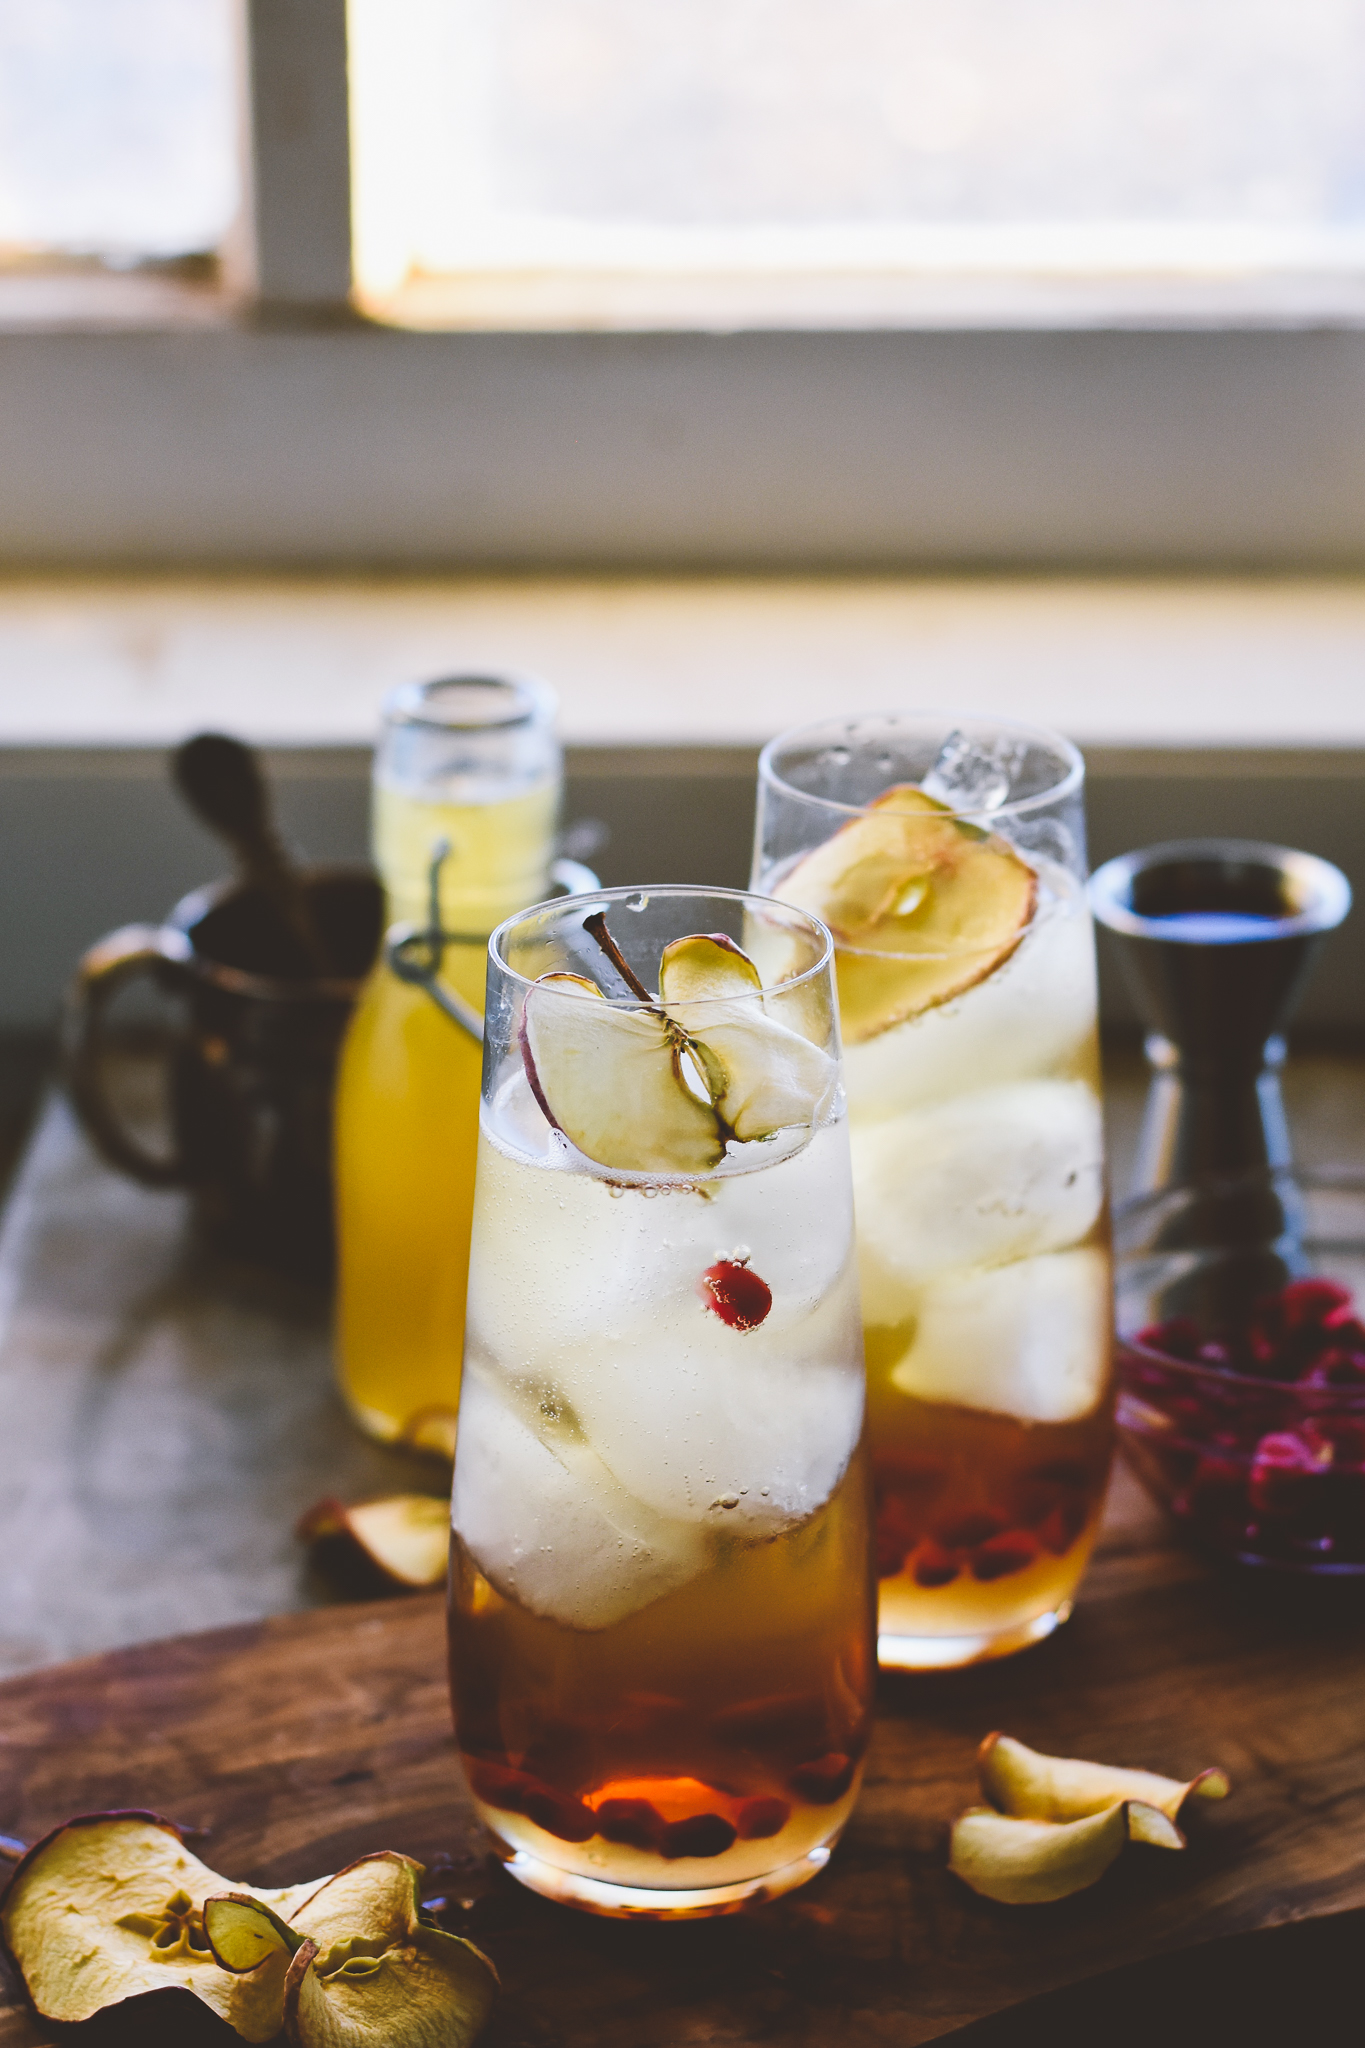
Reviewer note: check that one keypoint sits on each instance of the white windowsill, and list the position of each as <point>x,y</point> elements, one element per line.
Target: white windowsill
<point>704,662</point>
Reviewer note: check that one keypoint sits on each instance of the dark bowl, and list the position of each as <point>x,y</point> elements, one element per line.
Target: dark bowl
<point>1214,1298</point>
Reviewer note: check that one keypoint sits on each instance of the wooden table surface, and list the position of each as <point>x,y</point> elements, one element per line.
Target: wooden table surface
<point>303,1741</point>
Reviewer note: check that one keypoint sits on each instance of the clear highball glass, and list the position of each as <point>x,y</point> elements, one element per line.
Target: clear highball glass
<point>947,855</point>
<point>662,1607</point>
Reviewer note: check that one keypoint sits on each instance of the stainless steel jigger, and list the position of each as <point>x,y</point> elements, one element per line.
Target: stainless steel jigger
<point>1217,938</point>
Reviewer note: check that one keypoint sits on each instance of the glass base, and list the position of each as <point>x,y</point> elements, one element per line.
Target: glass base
<point>629,1902</point>
<point>950,1653</point>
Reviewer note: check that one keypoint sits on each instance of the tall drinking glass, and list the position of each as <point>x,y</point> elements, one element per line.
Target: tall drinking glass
<point>662,1620</point>
<point>948,858</point>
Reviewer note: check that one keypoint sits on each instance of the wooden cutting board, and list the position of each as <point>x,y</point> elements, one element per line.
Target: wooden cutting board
<point>302,1742</point>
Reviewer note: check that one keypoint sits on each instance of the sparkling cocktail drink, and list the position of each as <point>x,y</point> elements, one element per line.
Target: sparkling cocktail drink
<point>662,1607</point>
<point>949,865</point>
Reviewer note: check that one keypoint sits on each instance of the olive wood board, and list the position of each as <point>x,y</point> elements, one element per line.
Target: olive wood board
<point>304,1741</point>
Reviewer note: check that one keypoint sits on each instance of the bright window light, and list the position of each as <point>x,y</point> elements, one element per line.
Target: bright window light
<point>118,126</point>
<point>506,136</point>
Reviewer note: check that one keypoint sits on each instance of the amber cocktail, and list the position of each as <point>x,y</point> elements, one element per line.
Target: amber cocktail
<point>662,1604</point>
<point>948,859</point>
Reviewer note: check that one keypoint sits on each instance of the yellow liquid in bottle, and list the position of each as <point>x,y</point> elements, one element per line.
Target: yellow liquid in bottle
<point>407,1113</point>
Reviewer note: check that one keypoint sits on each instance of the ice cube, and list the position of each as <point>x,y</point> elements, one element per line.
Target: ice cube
<point>1029,1340</point>
<point>974,774</point>
<point>745,1430</point>
<point>1031,1016</point>
<point>981,1180</point>
<point>550,1527</point>
<point>559,1256</point>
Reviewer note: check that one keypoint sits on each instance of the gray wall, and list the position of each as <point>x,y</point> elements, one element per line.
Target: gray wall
<point>358,445</point>
<point>92,838</point>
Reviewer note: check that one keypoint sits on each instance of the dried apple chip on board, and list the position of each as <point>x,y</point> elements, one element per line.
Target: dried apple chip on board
<point>1031,1862</point>
<point>1055,1824</point>
<point>1018,1780</point>
<point>406,1535</point>
<point>112,1908</point>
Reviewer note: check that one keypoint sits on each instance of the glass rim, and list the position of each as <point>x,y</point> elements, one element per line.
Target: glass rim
<point>622,893</point>
<point>529,702</point>
<point>1068,783</point>
<point>1326,891</point>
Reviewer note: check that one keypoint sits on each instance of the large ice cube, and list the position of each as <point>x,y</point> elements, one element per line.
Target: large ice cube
<point>565,1265</point>
<point>981,1180</point>
<point>1033,1015</point>
<point>585,1315</point>
<point>1029,1340</point>
<point>559,1255</point>
<point>749,1431</point>
<point>551,1528</point>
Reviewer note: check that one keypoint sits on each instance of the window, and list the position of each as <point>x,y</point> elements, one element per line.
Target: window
<point>118,128</point>
<point>1115,250</point>
<point>611,160</point>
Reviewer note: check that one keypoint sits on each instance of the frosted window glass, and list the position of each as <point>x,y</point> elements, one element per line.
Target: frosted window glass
<point>484,125</point>
<point>117,125</point>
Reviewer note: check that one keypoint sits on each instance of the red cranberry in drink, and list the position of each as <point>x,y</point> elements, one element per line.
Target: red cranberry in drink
<point>734,1291</point>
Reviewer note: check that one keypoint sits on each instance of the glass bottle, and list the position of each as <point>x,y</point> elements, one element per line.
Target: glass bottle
<point>467,784</point>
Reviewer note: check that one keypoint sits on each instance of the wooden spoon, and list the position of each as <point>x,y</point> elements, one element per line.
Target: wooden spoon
<point>221,781</point>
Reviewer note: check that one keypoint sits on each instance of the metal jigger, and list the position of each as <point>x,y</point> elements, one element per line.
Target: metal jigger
<point>1217,938</point>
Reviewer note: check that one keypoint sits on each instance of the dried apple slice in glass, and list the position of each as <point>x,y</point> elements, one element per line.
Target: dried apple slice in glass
<point>922,905</point>
<point>764,1077</point>
<point>1020,1781</point>
<point>663,1088</point>
<point>620,1084</point>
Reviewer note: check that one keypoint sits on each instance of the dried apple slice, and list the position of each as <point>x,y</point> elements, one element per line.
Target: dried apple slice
<point>1020,1781</point>
<point>431,1429</point>
<point>704,967</point>
<point>372,1974</point>
<point>763,1077</point>
<point>622,1085</point>
<point>1031,1862</point>
<point>112,1908</point>
<point>109,1908</point>
<point>664,1088</point>
<point>922,906</point>
<point>407,1535</point>
<point>243,1932</point>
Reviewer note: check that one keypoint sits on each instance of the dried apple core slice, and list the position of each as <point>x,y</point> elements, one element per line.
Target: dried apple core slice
<point>922,906</point>
<point>1020,1781</point>
<point>112,1908</point>
<point>1056,1823</point>
<point>664,1087</point>
<point>407,1535</point>
<point>1032,1862</point>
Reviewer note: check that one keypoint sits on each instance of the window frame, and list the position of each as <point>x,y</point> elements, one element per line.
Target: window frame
<point>264,420</point>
